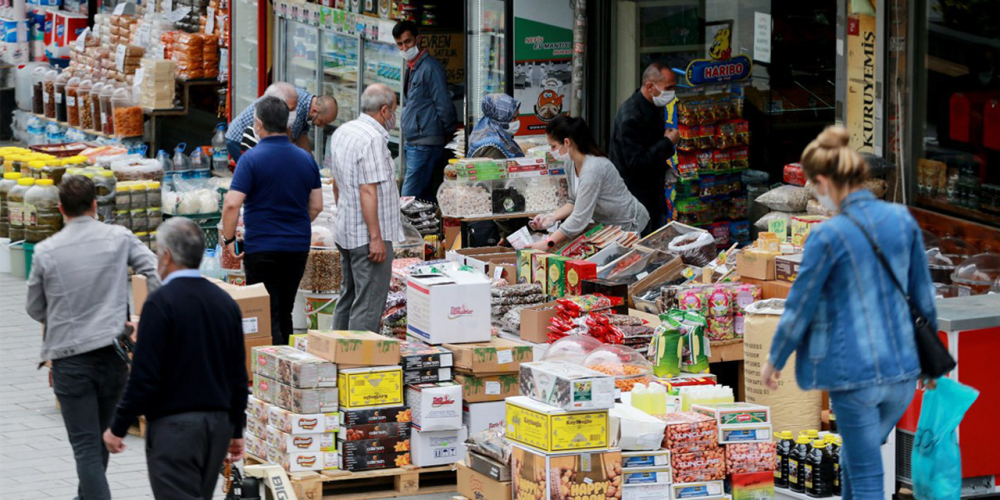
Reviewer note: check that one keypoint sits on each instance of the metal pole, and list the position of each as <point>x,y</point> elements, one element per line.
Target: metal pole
<point>579,46</point>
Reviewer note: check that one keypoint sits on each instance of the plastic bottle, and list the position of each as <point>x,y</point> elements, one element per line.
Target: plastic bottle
<point>106,185</point>
<point>36,131</point>
<point>201,165</point>
<point>657,399</point>
<point>796,463</point>
<point>15,206</point>
<point>639,397</point>
<point>784,449</point>
<point>42,218</point>
<point>819,470</point>
<point>835,455</point>
<point>220,153</point>
<point>55,134</point>
<point>181,163</point>
<point>210,267</point>
<point>6,184</point>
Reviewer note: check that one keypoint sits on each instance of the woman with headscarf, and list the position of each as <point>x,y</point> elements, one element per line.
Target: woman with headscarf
<point>493,135</point>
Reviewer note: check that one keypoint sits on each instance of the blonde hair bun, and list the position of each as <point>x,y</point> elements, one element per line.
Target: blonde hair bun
<point>834,136</point>
<point>829,155</point>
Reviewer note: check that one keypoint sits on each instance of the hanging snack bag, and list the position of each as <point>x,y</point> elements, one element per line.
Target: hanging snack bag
<point>687,112</point>
<point>742,132</point>
<point>706,137</point>
<point>689,137</point>
<point>739,158</point>
<point>687,165</point>
<point>666,348</point>
<point>721,159</point>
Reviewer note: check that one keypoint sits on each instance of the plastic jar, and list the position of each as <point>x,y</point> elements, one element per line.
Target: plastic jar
<point>127,114</point>
<point>54,170</point>
<point>41,211</point>
<point>140,221</point>
<point>72,103</point>
<point>15,206</point>
<point>20,164</point>
<point>123,218</point>
<point>6,184</point>
<point>123,197</point>
<point>139,199</point>
<point>154,197</point>
<point>49,93</point>
<point>34,169</point>
<point>155,217</point>
<point>85,110</point>
<point>106,187</point>
<point>107,120</point>
<point>95,106</point>
<point>37,90</point>
<point>60,96</point>
<point>143,237</point>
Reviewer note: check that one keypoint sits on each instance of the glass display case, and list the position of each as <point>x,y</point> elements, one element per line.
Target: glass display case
<point>489,53</point>
<point>340,73</point>
<point>248,65</point>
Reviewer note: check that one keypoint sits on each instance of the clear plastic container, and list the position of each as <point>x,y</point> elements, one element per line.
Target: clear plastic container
<point>6,184</point>
<point>15,206</point>
<point>127,114</point>
<point>155,217</point>
<point>412,246</point>
<point>107,189</point>
<point>85,109</point>
<point>34,169</point>
<point>140,221</point>
<point>73,101</point>
<point>978,272</point>
<point>95,106</point>
<point>42,218</point>
<point>628,366</point>
<point>572,349</point>
<point>49,93</point>
<point>465,199</point>
<point>123,197</point>
<point>37,90</point>
<point>139,198</point>
<point>107,114</point>
<point>123,218</point>
<point>60,96</point>
<point>154,197</point>
<point>52,169</point>
<point>949,291</point>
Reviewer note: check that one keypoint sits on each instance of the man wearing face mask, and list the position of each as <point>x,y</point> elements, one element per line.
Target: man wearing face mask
<point>368,219</point>
<point>640,144</point>
<point>428,115</point>
<point>280,187</point>
<point>303,109</point>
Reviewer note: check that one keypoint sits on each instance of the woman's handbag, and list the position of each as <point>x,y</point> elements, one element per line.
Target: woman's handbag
<point>935,360</point>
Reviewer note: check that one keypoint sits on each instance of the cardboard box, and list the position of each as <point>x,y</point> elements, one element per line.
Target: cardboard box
<point>771,289</point>
<point>552,429</point>
<point>708,465</point>
<point>258,409</point>
<point>356,462</point>
<point>756,265</point>
<point>375,431</point>
<point>293,367</point>
<point>556,275</point>
<point>688,432</point>
<point>801,226</point>
<point>354,348</point>
<point>286,443</point>
<point>752,486</point>
<point>567,386</point>
<point>670,271</point>
<point>350,417</point>
<point>524,264</point>
<point>254,302</point>
<point>535,322</point>
<point>411,377</point>
<point>249,343</point>
<point>701,490</point>
<point>255,446</point>
<point>634,429</point>
<point>303,423</point>
<point>432,448</point>
<point>436,406</point>
<point>495,356</point>
<point>299,341</point>
<point>304,461</point>
<point>745,433</point>
<point>475,485</point>
<point>650,475</point>
<point>735,413</point>
<point>487,466</point>
<point>448,307</point>
<point>416,355</point>
<point>609,288</point>
<point>394,444</point>
<point>751,457</point>
<point>256,428</point>
<point>539,269</point>
<point>608,254</point>
<point>322,400</point>
<point>588,474</point>
<point>643,459</point>
<point>576,272</point>
<point>646,492</point>
<point>478,417</point>
<point>786,267</point>
<point>487,388</point>
<point>375,386</point>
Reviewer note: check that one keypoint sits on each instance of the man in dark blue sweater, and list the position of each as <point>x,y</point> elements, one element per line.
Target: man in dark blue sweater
<point>188,375</point>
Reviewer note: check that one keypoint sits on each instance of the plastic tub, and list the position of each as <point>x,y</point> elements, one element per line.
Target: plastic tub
<point>73,101</point>
<point>42,218</point>
<point>127,114</point>
<point>49,93</point>
<point>60,96</point>
<point>37,90</point>
<point>319,310</point>
<point>85,111</point>
<point>15,204</point>
<point>95,106</point>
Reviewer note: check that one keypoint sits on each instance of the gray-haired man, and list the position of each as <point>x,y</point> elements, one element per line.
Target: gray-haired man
<point>188,375</point>
<point>367,209</point>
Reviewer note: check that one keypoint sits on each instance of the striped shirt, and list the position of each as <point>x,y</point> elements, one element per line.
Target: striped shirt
<point>361,155</point>
<point>245,119</point>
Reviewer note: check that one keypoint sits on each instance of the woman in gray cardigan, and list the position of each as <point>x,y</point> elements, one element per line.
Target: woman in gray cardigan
<point>596,191</point>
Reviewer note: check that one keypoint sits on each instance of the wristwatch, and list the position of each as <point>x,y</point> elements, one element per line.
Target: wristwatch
<point>228,241</point>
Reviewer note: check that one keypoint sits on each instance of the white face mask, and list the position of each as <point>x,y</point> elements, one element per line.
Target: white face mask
<point>563,157</point>
<point>513,127</point>
<point>410,53</point>
<point>665,97</point>
<point>292,116</point>
<point>827,201</point>
<point>390,123</point>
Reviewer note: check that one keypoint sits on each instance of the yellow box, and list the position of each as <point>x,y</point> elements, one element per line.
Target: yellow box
<point>376,386</point>
<point>801,225</point>
<point>551,429</point>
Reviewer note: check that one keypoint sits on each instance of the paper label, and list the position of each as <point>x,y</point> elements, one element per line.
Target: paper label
<point>167,6</point>
<point>762,37</point>
<point>120,9</point>
<point>120,57</point>
<point>59,97</point>
<point>45,97</point>
<point>778,226</point>
<point>498,273</point>
<point>505,356</point>
<point>81,40</point>
<point>210,21</point>
<point>142,34</point>
<point>250,325</point>
<point>70,101</point>
<point>178,14</point>
<point>493,388</point>
<point>139,74</point>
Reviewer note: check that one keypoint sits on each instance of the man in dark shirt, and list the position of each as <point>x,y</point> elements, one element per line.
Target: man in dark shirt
<point>188,375</point>
<point>280,186</point>
<point>640,146</point>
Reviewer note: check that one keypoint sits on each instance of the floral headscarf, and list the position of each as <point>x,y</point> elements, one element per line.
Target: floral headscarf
<point>491,130</point>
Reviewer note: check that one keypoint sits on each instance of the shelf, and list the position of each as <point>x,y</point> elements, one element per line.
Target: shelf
<point>965,37</point>
<point>304,64</point>
<point>785,493</point>
<point>349,76</point>
<point>962,212</point>
<point>86,131</point>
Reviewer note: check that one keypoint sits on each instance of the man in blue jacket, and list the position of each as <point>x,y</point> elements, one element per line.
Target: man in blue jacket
<point>428,112</point>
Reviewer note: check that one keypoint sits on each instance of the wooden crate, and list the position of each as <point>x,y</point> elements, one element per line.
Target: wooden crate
<point>374,484</point>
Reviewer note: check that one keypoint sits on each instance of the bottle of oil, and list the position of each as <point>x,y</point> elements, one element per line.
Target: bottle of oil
<point>818,471</point>
<point>835,454</point>
<point>784,449</point>
<point>796,464</point>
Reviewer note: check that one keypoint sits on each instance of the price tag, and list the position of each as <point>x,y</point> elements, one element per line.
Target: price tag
<point>779,227</point>
<point>142,34</point>
<point>505,356</point>
<point>179,14</point>
<point>120,57</point>
<point>139,74</point>
<point>210,21</point>
<point>498,273</point>
<point>70,102</point>
<point>167,6</point>
<point>45,97</point>
<point>81,40</point>
<point>492,388</point>
<point>58,97</point>
<point>120,8</point>
<point>250,326</point>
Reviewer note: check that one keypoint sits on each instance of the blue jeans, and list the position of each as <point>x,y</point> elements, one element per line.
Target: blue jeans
<point>420,163</point>
<point>234,150</point>
<point>865,417</point>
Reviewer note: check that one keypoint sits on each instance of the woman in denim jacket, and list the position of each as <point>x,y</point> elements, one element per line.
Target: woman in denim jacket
<point>848,323</point>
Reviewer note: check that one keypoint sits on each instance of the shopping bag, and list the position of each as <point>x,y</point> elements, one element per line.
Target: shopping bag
<point>937,463</point>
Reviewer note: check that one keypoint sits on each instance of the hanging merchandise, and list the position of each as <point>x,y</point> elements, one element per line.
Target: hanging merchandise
<point>936,457</point>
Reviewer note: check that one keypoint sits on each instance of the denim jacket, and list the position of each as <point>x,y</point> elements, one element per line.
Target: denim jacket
<point>428,111</point>
<point>844,317</point>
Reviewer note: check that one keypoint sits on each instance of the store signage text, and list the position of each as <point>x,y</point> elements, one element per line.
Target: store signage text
<point>557,48</point>
<point>869,90</point>
<point>708,71</point>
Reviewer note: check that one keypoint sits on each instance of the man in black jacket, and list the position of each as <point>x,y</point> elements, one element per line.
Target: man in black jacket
<point>640,146</point>
<point>188,375</point>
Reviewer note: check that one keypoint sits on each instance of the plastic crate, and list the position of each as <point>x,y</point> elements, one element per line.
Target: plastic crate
<point>209,224</point>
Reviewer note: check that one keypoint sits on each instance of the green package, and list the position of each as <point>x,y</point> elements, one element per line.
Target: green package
<point>696,345</point>
<point>666,348</point>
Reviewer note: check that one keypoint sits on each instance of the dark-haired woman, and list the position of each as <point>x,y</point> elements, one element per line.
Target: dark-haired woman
<point>596,191</point>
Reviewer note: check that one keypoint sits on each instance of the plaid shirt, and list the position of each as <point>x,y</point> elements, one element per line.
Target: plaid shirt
<point>245,119</point>
<point>361,156</point>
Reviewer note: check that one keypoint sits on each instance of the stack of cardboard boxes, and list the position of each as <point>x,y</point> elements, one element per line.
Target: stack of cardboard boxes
<point>746,434</point>
<point>698,464</point>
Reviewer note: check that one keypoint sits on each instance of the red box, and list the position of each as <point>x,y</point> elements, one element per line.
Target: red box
<point>49,28</point>
<point>68,27</point>
<point>688,432</point>
<point>576,272</point>
<point>794,175</point>
<point>708,465</point>
<point>750,457</point>
<point>752,486</point>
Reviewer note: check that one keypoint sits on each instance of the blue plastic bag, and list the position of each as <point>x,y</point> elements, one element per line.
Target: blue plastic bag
<point>937,462</point>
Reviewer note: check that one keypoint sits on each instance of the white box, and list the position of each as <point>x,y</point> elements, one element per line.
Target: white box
<point>450,307</point>
<point>745,433</point>
<point>304,461</point>
<point>323,441</point>
<point>477,417</point>
<point>302,423</point>
<point>258,409</point>
<point>430,448</point>
<point>648,475</point>
<point>642,459</point>
<point>255,446</point>
<point>567,386</point>
<point>701,490</point>
<point>646,492</point>
<point>634,429</point>
<point>435,406</point>
<point>255,427</point>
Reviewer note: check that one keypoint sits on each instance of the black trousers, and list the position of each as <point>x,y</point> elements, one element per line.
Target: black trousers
<point>88,387</point>
<point>281,273</point>
<point>184,454</point>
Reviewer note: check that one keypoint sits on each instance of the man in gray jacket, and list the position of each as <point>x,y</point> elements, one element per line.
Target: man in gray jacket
<point>78,289</point>
<point>428,112</point>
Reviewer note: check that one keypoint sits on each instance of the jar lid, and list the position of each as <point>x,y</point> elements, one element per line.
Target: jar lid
<point>141,233</point>
<point>53,162</point>
<point>105,173</point>
<point>139,186</point>
<point>89,175</point>
<point>12,175</point>
<point>44,182</point>
<point>123,187</point>
<point>36,164</point>
<point>25,181</point>
<point>153,184</point>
